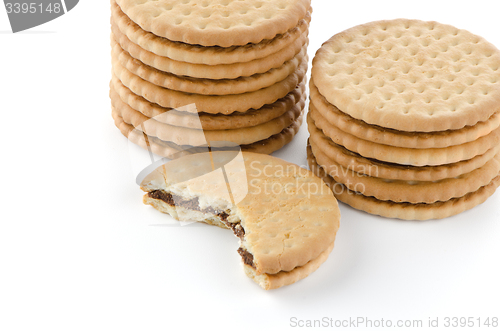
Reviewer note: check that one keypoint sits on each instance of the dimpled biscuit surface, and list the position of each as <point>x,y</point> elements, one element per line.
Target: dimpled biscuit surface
<point>289,215</point>
<point>410,75</point>
<point>218,22</point>
<point>205,55</point>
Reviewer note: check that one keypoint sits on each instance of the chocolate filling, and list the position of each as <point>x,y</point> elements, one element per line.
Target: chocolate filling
<point>194,204</point>
<point>236,227</point>
<point>172,200</point>
<point>246,256</point>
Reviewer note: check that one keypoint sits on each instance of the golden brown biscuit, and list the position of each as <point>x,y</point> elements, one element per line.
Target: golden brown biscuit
<point>284,216</point>
<point>183,52</point>
<point>410,75</point>
<point>220,22</point>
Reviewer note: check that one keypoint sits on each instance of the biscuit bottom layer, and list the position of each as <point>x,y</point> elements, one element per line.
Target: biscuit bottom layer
<point>193,204</point>
<point>170,204</point>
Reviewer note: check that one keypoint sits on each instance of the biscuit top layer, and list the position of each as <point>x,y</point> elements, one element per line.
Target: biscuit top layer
<point>217,22</point>
<point>410,75</point>
<point>288,214</point>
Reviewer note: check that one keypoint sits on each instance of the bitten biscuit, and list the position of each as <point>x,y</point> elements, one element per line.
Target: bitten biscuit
<point>285,217</point>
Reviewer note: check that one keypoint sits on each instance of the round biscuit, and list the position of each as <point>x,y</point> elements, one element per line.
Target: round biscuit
<point>201,54</point>
<point>410,75</point>
<point>288,214</point>
<point>223,23</point>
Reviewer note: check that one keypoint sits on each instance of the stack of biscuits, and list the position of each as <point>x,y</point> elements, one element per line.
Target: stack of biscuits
<point>404,118</point>
<point>193,74</point>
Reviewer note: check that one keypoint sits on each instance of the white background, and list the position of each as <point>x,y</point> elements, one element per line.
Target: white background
<point>79,250</point>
